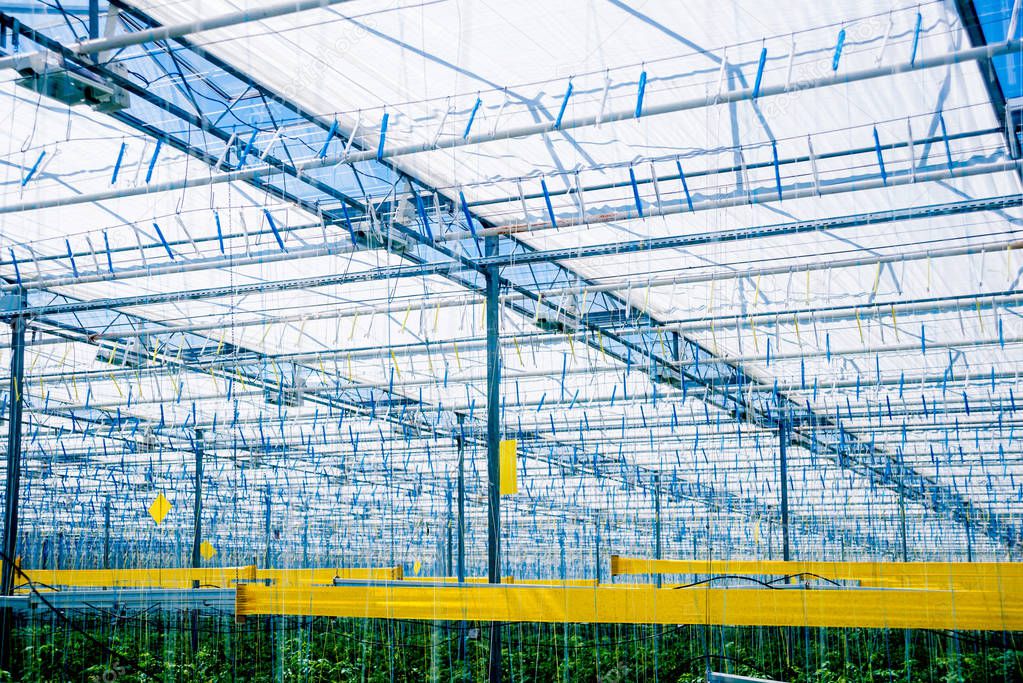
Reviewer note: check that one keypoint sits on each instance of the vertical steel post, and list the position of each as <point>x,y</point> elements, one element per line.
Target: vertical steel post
<point>15,404</point>
<point>449,564</point>
<point>106,534</point>
<point>783,474</point>
<point>266,559</point>
<point>460,444</point>
<point>657,523</point>
<point>460,524</point>
<point>657,556</point>
<point>197,507</point>
<point>93,19</point>
<point>305,541</point>
<point>493,288</point>
<point>197,533</point>
<point>907,640</point>
<point>902,524</point>
<point>969,535</point>
<point>902,509</point>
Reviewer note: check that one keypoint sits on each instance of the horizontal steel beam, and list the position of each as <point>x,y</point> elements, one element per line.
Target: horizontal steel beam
<point>837,78</point>
<point>991,609</point>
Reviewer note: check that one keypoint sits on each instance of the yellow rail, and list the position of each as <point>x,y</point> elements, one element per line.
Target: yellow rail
<point>996,576</point>
<point>326,575</point>
<point>854,607</point>
<point>475,580</point>
<point>208,577</point>
<point>218,577</point>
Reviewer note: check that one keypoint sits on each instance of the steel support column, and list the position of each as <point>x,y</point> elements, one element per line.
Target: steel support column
<point>657,556</point>
<point>493,289</point>
<point>783,475</point>
<point>197,508</point>
<point>10,539</point>
<point>449,541</point>
<point>197,533</point>
<point>106,534</point>
<point>460,445</point>
<point>267,524</point>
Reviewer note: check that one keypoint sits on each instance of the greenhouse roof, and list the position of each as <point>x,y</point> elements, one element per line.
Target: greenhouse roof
<point>713,229</point>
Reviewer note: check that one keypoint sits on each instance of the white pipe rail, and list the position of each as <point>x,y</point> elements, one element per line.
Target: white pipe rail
<point>96,45</point>
<point>762,195</point>
<point>333,249</point>
<point>431,304</point>
<point>984,52</point>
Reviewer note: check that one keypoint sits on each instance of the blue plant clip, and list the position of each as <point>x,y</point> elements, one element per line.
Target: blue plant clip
<point>547,200</point>
<point>472,117</point>
<point>35,167</point>
<point>564,105</point>
<point>880,158</point>
<point>330,138</point>
<point>760,73</point>
<point>383,136</point>
<point>635,192</point>
<point>685,185</point>
<point>916,39</point>
<point>273,228</point>
<point>640,93</point>
<point>159,233</point>
<point>117,164</point>
<point>152,160</point>
<point>839,44</point>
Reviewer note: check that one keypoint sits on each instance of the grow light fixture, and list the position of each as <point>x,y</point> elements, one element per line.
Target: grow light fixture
<point>50,75</point>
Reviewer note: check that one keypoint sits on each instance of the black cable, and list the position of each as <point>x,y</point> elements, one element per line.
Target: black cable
<point>809,575</point>
<point>722,577</point>
<point>64,618</point>
<point>766,584</point>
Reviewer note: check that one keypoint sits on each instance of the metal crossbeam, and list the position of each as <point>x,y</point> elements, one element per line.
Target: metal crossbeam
<point>629,340</point>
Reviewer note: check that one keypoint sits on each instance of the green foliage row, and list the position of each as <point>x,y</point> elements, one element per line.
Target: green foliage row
<point>148,647</point>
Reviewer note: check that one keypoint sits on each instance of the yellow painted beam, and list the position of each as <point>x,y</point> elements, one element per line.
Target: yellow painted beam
<point>219,577</point>
<point>1005,576</point>
<point>871,608</point>
<point>325,575</point>
<point>507,580</point>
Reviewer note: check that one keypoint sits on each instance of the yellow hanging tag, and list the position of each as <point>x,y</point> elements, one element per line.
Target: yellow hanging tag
<point>116,385</point>
<point>207,550</point>
<point>159,508</point>
<point>404,321</point>
<point>509,472</point>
